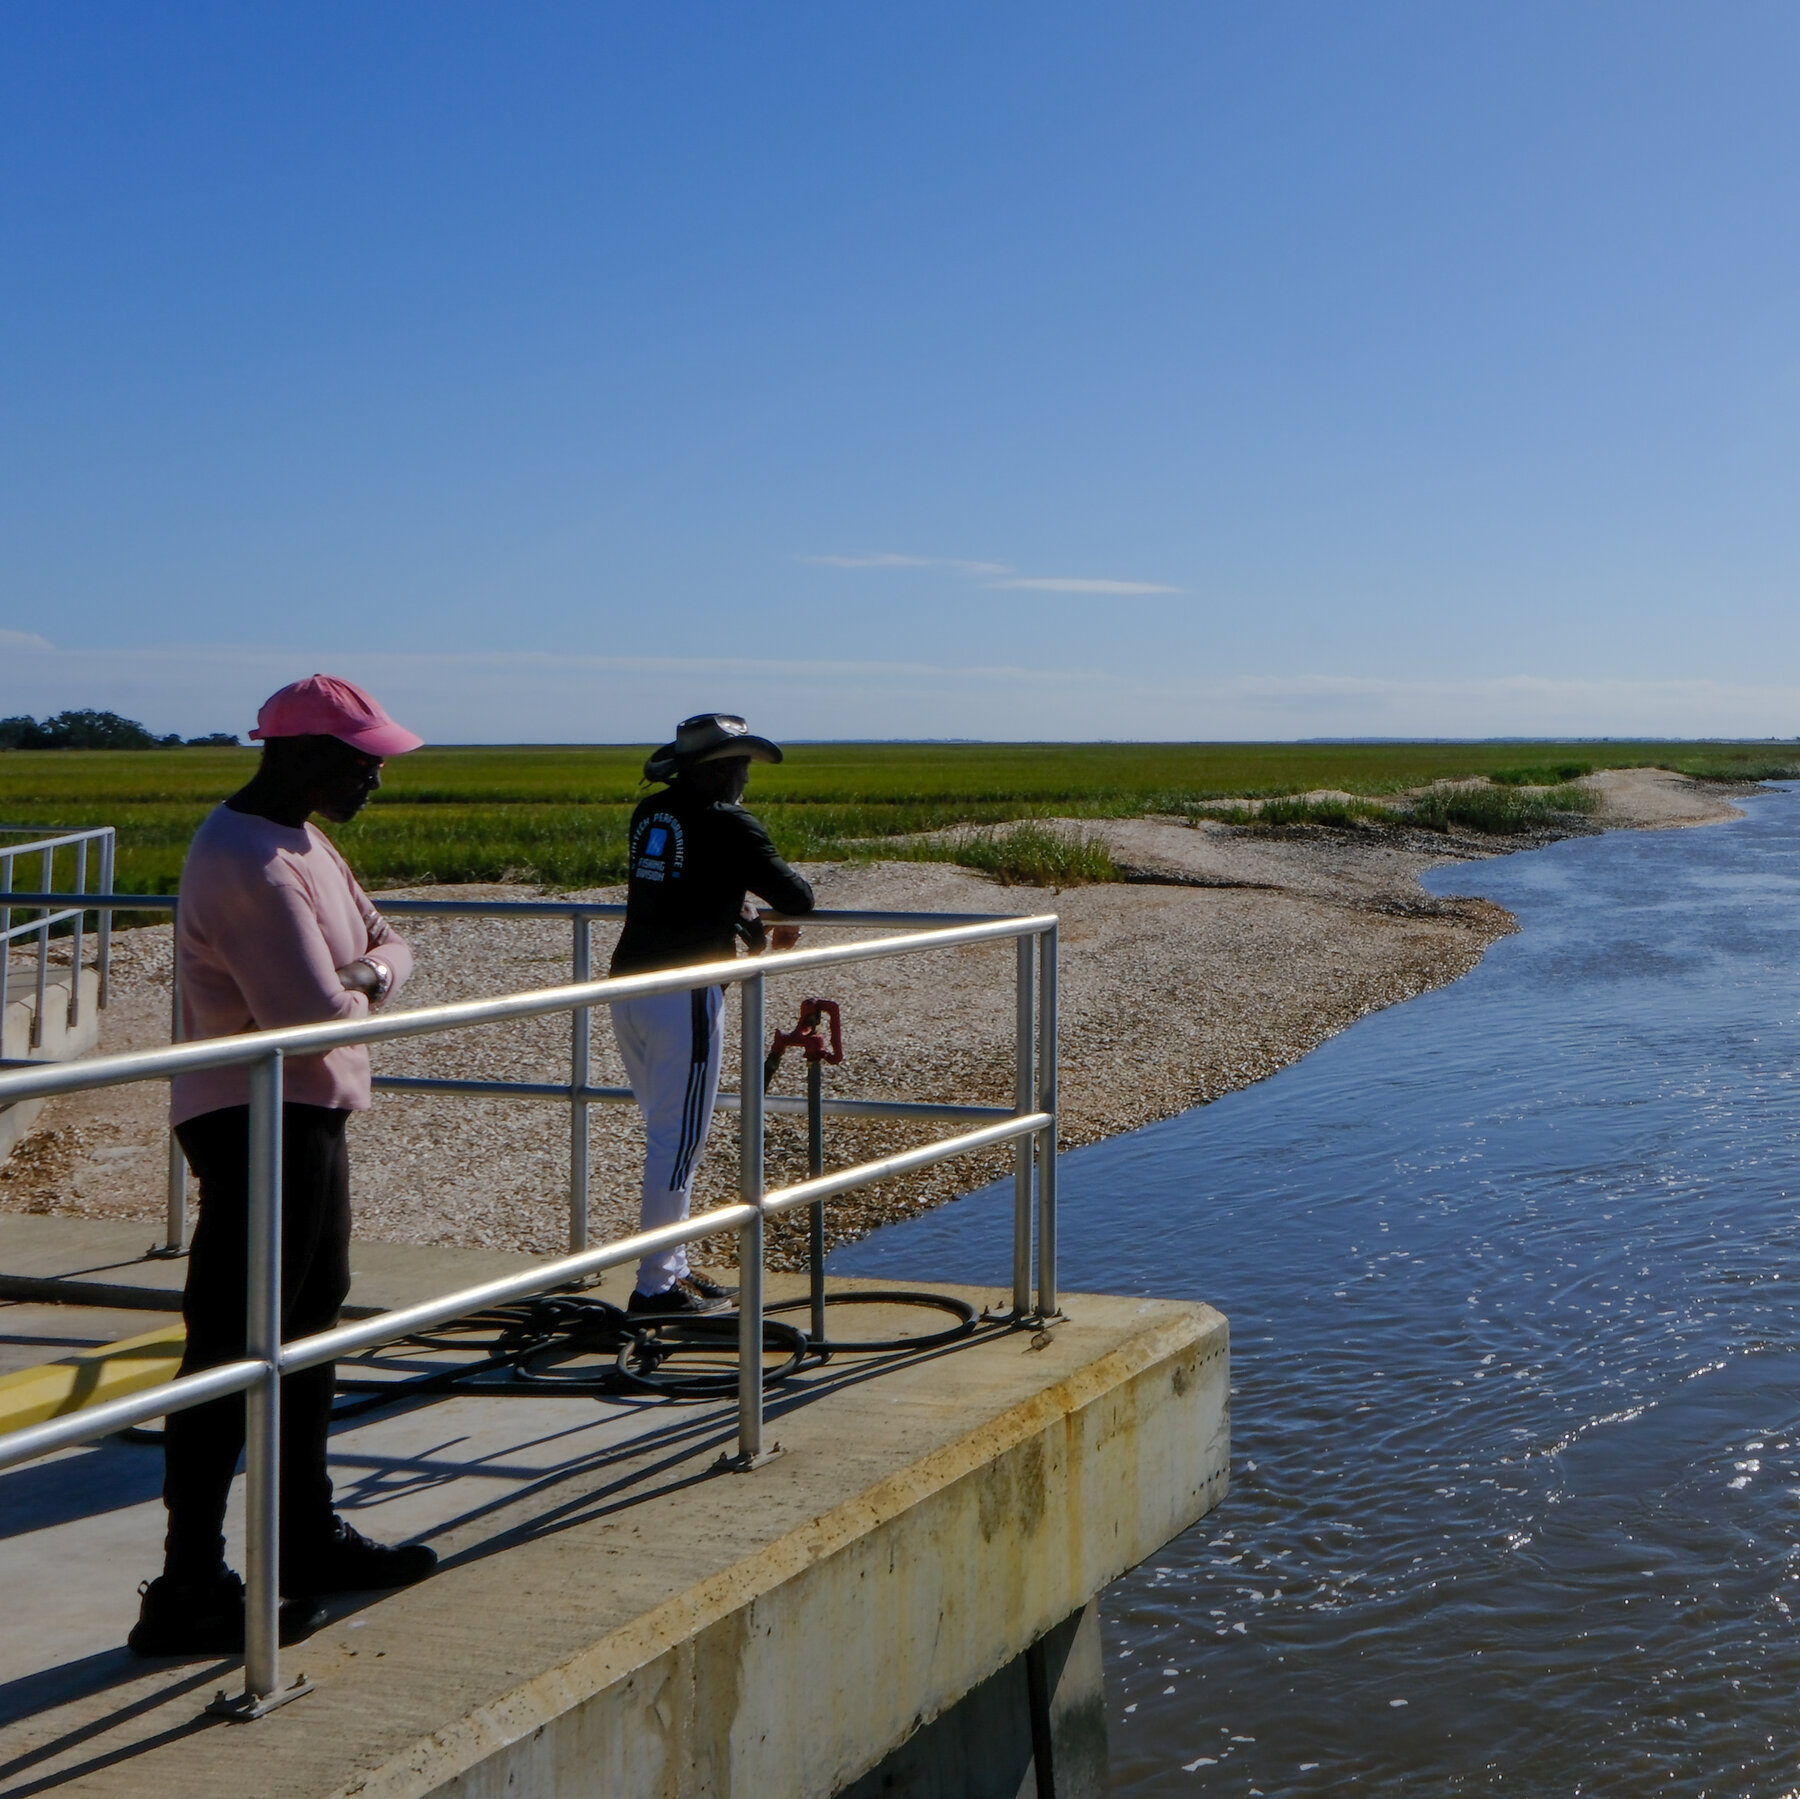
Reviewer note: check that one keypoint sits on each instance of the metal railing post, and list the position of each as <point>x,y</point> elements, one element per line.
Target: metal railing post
<point>258,1372</point>
<point>106,919</point>
<point>48,885</point>
<point>815,1221</point>
<point>6,875</point>
<point>580,1049</point>
<point>80,919</point>
<point>1046,1157</point>
<point>175,1206</point>
<point>262,1343</point>
<point>1024,1100</point>
<point>750,1235</point>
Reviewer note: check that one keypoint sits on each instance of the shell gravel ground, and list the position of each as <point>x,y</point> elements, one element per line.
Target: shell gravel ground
<point>1225,956</point>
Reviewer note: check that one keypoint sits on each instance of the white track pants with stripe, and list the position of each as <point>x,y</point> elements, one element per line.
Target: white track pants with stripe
<point>671,1044</point>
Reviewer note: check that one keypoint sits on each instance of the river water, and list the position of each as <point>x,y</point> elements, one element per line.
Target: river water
<point>1513,1275</point>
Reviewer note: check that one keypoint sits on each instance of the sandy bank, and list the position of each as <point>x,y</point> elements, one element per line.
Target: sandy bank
<point>1652,799</point>
<point>1228,955</point>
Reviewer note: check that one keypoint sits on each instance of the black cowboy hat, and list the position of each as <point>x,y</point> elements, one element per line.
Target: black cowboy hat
<point>709,737</point>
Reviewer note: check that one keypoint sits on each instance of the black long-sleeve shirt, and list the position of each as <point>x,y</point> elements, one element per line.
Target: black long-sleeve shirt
<point>693,859</point>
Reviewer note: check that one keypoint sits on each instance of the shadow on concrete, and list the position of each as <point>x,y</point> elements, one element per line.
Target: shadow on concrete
<point>110,1477</point>
<point>82,1679</point>
<point>650,1465</point>
<point>677,1444</point>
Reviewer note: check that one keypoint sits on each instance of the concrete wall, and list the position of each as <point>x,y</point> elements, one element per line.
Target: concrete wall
<point>60,1044</point>
<point>1035,1730</point>
<point>794,1676</point>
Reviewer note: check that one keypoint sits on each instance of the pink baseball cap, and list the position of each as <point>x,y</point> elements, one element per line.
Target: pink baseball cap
<point>324,706</point>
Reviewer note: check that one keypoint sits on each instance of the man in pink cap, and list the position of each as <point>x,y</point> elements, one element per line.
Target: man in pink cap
<point>274,931</point>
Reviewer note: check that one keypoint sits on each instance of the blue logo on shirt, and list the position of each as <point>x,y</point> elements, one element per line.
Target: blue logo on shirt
<point>658,855</point>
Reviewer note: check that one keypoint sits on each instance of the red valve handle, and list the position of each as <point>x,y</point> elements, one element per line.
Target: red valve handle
<point>807,1035</point>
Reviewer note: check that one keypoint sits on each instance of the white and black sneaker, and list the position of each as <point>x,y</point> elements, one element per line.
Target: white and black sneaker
<point>689,1296</point>
<point>710,1290</point>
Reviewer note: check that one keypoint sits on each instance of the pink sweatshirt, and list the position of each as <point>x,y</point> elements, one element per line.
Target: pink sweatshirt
<point>268,915</point>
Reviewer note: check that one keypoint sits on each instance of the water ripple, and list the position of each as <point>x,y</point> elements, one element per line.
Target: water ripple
<point>1515,1315</point>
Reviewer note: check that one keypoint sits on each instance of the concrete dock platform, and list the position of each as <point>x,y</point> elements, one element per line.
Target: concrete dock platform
<point>615,1613</point>
<point>60,1041</point>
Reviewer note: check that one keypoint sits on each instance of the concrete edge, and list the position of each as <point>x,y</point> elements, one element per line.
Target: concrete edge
<point>429,1763</point>
<point>90,1376</point>
<point>109,1296</point>
<point>60,1043</point>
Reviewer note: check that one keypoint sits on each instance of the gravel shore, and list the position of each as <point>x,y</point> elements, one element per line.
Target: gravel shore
<point>1225,956</point>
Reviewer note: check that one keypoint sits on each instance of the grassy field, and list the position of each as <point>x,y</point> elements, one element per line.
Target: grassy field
<point>557,815</point>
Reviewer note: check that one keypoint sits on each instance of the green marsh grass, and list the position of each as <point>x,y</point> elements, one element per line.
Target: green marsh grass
<point>1553,774</point>
<point>1499,811</point>
<point>1027,855</point>
<point>557,814</point>
<point>1274,815</point>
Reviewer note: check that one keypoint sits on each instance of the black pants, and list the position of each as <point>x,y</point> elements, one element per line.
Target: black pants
<point>201,1446</point>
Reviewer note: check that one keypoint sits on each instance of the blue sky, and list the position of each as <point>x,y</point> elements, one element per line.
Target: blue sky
<point>1167,371</point>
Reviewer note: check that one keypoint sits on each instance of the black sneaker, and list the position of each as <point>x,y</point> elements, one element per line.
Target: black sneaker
<point>698,1283</point>
<point>347,1562</point>
<point>687,1297</point>
<point>206,1617</point>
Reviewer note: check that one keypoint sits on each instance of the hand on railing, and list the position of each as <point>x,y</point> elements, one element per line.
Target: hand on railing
<point>760,937</point>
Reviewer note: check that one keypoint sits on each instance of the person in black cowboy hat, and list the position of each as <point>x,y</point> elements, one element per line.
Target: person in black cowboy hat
<point>694,853</point>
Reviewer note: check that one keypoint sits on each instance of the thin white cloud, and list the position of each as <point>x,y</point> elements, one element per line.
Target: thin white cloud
<point>23,640</point>
<point>996,575</point>
<point>1078,584</point>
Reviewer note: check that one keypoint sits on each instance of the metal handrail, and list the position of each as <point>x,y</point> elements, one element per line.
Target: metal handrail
<point>75,906</point>
<point>1030,1127</point>
<point>576,1092</point>
<point>51,1078</point>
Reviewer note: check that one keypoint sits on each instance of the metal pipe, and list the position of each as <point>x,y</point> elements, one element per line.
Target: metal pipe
<point>815,1166</point>
<point>105,919</point>
<point>352,1339</point>
<point>264,1050</point>
<point>558,1090</point>
<point>999,1124</point>
<point>905,1161</point>
<point>750,1235</point>
<point>839,918</point>
<point>1024,1100</point>
<point>55,842</point>
<point>262,1342</point>
<point>6,874</point>
<point>96,1421</point>
<point>580,1045</point>
<point>727,1102</point>
<point>43,967</point>
<point>73,1017</point>
<point>367,1333</point>
<point>825,918</point>
<point>36,926</point>
<point>794,1105</point>
<point>314,1039</point>
<point>92,902</point>
<point>1046,1183</point>
<point>175,1198</point>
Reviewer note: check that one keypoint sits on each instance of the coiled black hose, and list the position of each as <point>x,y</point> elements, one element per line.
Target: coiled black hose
<point>573,1344</point>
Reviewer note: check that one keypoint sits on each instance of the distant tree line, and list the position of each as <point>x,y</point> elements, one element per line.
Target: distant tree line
<point>95,731</point>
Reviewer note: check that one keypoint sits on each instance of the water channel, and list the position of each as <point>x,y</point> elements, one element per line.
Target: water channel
<point>1513,1274</point>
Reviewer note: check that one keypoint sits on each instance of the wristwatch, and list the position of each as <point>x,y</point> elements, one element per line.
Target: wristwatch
<point>384,981</point>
